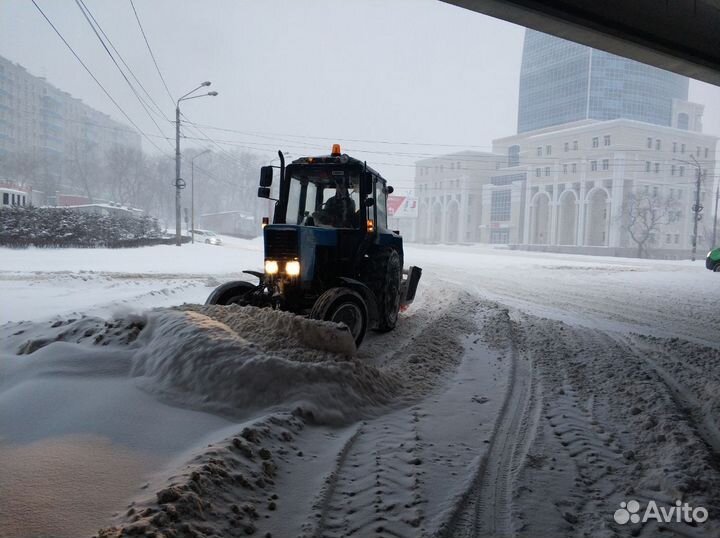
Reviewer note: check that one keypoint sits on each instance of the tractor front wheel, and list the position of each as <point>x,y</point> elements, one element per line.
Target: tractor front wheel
<point>343,305</point>
<point>231,293</point>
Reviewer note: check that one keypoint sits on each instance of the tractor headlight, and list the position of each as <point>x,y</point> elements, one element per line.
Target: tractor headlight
<point>271,267</point>
<point>292,268</point>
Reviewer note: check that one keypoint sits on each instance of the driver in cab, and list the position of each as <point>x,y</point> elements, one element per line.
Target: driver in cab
<point>339,210</point>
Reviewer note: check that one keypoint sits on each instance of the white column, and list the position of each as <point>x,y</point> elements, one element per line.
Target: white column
<point>608,221</point>
<point>462,214</point>
<point>486,205</point>
<point>443,220</point>
<point>429,229</point>
<point>616,199</point>
<point>515,210</point>
<point>582,209</point>
<point>553,239</point>
<point>528,196</point>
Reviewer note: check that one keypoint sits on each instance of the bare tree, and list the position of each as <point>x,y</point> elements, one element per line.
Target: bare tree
<point>23,167</point>
<point>83,169</point>
<point>158,197</point>
<point>125,174</point>
<point>644,215</point>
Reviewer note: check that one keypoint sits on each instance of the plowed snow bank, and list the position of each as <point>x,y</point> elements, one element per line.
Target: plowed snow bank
<point>254,358</point>
<point>219,359</point>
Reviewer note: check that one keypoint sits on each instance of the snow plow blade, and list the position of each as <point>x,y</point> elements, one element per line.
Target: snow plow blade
<point>408,285</point>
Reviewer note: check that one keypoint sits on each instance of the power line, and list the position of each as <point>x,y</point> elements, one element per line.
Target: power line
<point>276,136</point>
<point>157,67</point>
<point>632,165</point>
<point>211,127</point>
<point>88,16</point>
<point>94,77</point>
<point>132,73</point>
<point>539,160</point>
<point>211,140</point>
<point>269,151</point>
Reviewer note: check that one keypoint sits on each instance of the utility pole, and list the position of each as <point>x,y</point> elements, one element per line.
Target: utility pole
<point>717,197</point>
<point>697,207</point>
<point>179,183</point>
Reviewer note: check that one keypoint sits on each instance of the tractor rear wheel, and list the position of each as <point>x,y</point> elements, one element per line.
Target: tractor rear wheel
<point>382,273</point>
<point>343,305</point>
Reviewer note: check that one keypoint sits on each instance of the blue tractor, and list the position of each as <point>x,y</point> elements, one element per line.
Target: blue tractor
<point>328,252</point>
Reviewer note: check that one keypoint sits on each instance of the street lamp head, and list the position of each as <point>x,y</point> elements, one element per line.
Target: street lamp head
<point>212,94</point>
<point>206,83</point>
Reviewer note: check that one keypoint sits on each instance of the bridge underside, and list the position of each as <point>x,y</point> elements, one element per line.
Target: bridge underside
<point>677,35</point>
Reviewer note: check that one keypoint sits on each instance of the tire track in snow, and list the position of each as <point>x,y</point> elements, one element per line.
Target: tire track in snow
<point>487,507</point>
<point>680,394</point>
<point>374,488</point>
<point>594,454</point>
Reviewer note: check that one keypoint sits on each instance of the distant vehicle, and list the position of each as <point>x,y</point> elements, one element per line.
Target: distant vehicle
<point>208,237</point>
<point>712,261</point>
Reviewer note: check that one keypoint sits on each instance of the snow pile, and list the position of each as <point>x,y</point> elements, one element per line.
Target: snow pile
<point>228,490</point>
<point>226,360</point>
<point>278,331</point>
<point>253,359</point>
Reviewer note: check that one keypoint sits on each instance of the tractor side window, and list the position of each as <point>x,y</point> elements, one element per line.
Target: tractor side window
<point>310,198</point>
<point>381,203</point>
<point>292,216</point>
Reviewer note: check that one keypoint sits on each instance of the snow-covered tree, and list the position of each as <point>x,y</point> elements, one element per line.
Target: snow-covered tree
<point>645,213</point>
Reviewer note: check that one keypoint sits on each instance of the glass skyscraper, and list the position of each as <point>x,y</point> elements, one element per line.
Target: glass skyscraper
<point>562,81</point>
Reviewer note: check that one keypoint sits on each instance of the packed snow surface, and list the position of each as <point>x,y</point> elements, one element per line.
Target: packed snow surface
<point>523,394</point>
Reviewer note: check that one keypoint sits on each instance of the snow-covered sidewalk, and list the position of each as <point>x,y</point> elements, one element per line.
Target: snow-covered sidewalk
<point>42,283</point>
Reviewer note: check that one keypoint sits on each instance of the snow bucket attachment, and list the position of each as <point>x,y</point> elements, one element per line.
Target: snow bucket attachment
<point>408,285</point>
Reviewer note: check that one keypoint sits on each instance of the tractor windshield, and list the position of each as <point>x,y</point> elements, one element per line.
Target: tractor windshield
<point>327,197</point>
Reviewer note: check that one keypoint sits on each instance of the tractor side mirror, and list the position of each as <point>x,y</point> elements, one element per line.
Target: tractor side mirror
<point>263,192</point>
<point>369,202</point>
<point>266,177</point>
<point>390,189</point>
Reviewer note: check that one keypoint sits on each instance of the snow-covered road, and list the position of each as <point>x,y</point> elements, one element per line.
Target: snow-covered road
<point>523,394</point>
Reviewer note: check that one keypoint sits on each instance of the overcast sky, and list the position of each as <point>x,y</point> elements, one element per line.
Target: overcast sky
<point>291,73</point>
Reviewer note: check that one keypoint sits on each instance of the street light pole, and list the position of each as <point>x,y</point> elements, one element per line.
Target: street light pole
<point>179,183</point>
<point>192,194</point>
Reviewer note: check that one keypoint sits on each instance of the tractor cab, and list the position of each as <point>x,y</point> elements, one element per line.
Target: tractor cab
<point>332,191</point>
<point>328,251</point>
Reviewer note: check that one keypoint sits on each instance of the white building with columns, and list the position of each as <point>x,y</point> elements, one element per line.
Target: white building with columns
<point>567,185</point>
<point>449,191</point>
